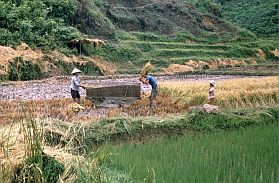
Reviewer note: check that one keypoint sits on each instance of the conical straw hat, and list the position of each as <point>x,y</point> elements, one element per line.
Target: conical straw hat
<point>212,82</point>
<point>76,71</point>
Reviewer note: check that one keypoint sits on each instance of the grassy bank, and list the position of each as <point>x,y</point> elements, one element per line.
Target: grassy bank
<point>43,150</point>
<point>121,129</point>
<point>245,155</point>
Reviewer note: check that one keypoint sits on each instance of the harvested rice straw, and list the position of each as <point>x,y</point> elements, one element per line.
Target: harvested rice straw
<point>147,68</point>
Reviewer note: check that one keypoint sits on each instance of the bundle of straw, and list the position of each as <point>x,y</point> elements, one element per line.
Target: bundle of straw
<point>147,68</point>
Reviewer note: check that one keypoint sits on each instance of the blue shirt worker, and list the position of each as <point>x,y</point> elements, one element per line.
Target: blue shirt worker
<point>75,84</point>
<point>147,79</point>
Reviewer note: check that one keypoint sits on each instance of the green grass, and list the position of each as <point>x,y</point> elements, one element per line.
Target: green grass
<point>205,58</point>
<point>245,155</point>
<point>173,45</point>
<point>259,16</point>
<point>167,53</point>
<point>163,53</point>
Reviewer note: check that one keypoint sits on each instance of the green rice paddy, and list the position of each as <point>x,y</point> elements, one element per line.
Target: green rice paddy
<point>246,155</point>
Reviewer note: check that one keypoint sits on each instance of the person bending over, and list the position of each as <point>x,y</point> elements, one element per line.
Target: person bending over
<point>147,79</point>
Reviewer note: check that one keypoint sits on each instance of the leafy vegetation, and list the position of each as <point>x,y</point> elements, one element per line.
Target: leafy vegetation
<point>117,53</point>
<point>23,70</point>
<point>88,68</point>
<point>37,23</point>
<point>258,16</point>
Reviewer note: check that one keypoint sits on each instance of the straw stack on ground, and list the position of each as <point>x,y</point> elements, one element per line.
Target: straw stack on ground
<point>146,69</point>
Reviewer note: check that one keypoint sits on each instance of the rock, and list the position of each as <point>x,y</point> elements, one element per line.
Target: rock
<point>204,108</point>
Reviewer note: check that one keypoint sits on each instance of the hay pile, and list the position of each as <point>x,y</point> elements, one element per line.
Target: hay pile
<point>146,69</point>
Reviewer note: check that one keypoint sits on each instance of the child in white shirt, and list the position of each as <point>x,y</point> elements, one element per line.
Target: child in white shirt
<point>211,90</point>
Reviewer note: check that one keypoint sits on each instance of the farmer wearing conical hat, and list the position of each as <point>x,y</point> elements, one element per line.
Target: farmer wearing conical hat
<point>75,84</point>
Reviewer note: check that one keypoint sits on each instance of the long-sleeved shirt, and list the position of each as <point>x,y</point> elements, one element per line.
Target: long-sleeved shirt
<point>75,83</point>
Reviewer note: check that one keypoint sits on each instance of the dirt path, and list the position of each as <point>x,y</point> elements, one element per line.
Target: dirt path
<point>53,88</point>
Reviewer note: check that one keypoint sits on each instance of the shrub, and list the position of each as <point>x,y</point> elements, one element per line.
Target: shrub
<point>122,35</point>
<point>87,68</point>
<point>23,70</point>
<point>37,23</point>
<point>39,168</point>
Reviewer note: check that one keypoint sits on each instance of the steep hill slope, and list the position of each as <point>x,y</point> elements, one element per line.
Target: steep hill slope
<point>164,17</point>
<point>50,24</point>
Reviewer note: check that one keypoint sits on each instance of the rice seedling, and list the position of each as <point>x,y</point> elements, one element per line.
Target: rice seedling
<point>246,155</point>
<point>234,93</point>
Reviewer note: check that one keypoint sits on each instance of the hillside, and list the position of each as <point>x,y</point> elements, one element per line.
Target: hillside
<point>165,17</point>
<point>176,36</point>
<point>258,16</point>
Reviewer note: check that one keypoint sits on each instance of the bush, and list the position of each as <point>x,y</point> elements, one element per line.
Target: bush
<point>37,23</point>
<point>122,35</point>
<point>268,51</point>
<point>258,16</point>
<point>30,171</point>
<point>23,70</point>
<point>7,37</point>
<point>88,68</point>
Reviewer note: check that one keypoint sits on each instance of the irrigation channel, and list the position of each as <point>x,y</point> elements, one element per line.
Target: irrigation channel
<point>59,87</point>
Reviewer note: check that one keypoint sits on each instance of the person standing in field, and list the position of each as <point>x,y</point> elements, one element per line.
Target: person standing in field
<point>75,84</point>
<point>147,79</point>
<point>211,92</point>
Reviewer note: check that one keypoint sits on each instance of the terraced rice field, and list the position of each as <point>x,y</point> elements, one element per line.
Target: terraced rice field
<point>162,54</point>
